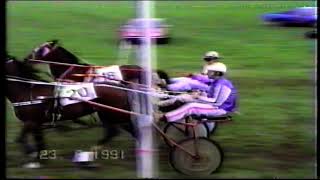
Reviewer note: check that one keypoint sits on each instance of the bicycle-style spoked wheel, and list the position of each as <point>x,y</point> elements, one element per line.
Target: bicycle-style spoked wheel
<point>178,132</point>
<point>208,159</point>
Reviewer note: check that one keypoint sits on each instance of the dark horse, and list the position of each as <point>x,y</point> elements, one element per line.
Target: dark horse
<point>24,94</point>
<point>52,51</point>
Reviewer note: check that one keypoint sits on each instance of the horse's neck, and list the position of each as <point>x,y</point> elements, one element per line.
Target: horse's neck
<point>57,71</point>
<point>68,71</point>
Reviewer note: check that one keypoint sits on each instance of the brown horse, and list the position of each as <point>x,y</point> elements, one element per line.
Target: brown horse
<point>52,51</point>
<point>24,94</point>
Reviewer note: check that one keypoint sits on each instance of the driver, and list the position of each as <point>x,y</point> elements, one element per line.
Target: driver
<point>195,81</point>
<point>220,99</point>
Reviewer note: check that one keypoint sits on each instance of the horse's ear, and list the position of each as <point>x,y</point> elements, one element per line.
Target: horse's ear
<point>54,41</point>
<point>9,57</point>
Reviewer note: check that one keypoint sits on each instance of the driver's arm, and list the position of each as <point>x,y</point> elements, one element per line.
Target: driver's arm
<point>221,94</point>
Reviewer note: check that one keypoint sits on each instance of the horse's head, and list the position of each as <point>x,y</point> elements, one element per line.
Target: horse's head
<point>51,51</point>
<point>42,51</point>
<point>160,78</point>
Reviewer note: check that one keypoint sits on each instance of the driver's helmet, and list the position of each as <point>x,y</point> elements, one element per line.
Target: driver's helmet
<point>218,67</point>
<point>211,55</point>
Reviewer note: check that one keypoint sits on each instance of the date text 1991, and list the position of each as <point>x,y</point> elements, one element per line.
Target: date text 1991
<point>106,154</point>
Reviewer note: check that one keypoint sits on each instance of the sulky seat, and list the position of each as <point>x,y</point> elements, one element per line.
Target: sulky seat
<point>225,117</point>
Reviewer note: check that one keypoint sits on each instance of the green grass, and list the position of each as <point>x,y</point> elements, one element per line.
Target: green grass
<point>272,67</point>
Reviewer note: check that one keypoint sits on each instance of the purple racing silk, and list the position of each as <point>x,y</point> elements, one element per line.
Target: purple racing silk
<point>201,78</point>
<point>222,94</point>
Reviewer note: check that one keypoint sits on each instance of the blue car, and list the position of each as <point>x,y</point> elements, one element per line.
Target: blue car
<point>305,16</point>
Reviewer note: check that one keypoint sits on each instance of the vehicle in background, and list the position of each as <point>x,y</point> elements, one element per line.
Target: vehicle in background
<point>302,16</point>
<point>132,31</point>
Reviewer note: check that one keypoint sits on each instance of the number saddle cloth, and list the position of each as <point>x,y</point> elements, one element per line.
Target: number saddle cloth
<point>106,74</point>
<point>85,90</point>
<point>66,91</point>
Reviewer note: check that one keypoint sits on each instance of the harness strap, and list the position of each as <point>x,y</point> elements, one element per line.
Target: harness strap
<point>66,72</point>
<point>56,115</point>
<point>21,78</point>
<point>24,103</point>
<point>30,97</point>
<point>34,82</point>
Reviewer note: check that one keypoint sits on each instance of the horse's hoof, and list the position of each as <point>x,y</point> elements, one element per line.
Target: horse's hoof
<point>32,165</point>
<point>33,155</point>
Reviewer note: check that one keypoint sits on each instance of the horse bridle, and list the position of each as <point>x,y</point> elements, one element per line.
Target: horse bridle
<point>47,45</point>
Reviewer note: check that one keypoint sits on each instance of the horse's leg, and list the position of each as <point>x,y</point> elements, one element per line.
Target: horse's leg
<point>28,149</point>
<point>39,140</point>
<point>92,118</point>
<point>22,135</point>
<point>131,129</point>
<point>109,128</point>
<point>23,138</point>
<point>78,121</point>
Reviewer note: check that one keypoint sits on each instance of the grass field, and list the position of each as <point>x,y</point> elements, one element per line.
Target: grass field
<point>272,67</point>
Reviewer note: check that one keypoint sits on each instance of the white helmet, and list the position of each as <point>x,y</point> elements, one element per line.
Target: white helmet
<point>211,55</point>
<point>218,66</point>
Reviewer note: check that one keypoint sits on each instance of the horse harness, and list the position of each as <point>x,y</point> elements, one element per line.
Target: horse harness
<point>54,113</point>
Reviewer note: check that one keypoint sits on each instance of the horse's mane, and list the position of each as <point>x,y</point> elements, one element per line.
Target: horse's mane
<point>27,70</point>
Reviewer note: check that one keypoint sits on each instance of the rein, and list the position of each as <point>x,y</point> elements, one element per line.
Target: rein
<point>24,80</point>
<point>77,65</point>
<point>138,91</point>
<point>129,82</point>
<point>96,104</point>
<point>89,75</point>
<point>21,78</point>
<point>97,75</point>
<point>106,85</point>
<point>66,64</point>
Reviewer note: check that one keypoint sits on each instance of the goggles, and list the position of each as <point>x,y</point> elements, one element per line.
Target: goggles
<point>209,58</point>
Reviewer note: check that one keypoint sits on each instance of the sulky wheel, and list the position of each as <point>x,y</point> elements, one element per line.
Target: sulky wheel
<point>208,159</point>
<point>178,132</point>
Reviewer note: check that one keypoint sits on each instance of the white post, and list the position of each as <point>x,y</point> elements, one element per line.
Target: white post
<point>146,165</point>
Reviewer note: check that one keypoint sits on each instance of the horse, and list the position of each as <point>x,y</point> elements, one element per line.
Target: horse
<point>52,51</point>
<point>26,91</point>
